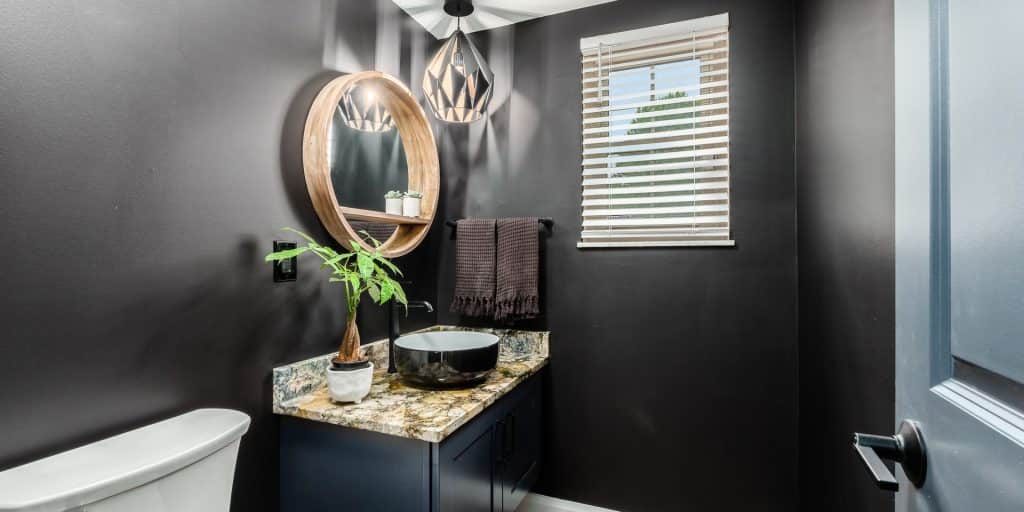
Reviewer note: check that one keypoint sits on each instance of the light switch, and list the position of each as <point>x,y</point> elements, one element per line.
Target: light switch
<point>285,270</point>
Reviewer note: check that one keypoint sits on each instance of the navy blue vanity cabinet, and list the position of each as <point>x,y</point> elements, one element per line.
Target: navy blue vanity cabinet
<point>520,446</point>
<point>487,465</point>
<point>465,466</point>
<point>492,462</point>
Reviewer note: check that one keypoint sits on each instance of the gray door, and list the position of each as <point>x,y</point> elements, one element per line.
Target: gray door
<point>960,249</point>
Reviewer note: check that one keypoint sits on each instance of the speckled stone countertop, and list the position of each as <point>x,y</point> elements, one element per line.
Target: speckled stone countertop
<point>393,408</point>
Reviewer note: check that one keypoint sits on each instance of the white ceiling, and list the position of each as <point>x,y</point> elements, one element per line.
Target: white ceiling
<point>488,14</point>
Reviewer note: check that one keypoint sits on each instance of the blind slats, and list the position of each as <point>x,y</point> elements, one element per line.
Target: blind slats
<point>628,69</point>
<point>666,34</point>
<point>690,100</point>
<point>643,134</point>
<point>650,200</point>
<point>695,220</point>
<point>636,233</point>
<point>703,101</point>
<point>695,164</point>
<point>689,121</point>
<point>653,189</point>
<point>653,157</point>
<point>655,151</point>
<point>665,210</point>
<point>648,234</point>
<point>715,79</point>
<point>591,181</point>
<point>641,78</point>
<point>656,146</point>
<point>688,47</point>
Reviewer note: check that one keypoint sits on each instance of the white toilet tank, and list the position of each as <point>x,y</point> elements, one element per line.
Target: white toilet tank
<point>183,464</point>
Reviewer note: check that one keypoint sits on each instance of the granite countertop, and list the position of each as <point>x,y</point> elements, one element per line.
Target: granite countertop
<point>394,408</point>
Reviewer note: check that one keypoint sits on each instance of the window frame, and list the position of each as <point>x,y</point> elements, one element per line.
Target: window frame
<point>640,230</point>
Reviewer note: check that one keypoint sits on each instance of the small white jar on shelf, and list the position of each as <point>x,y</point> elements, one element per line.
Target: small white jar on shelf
<point>411,204</point>
<point>393,203</point>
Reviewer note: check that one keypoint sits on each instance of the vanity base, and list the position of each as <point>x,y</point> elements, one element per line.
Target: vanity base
<point>487,465</point>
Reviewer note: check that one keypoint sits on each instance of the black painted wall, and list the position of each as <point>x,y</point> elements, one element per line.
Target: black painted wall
<point>674,371</point>
<point>149,152</point>
<point>845,228</point>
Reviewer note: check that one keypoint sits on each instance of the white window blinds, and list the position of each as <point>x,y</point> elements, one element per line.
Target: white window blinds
<point>656,136</point>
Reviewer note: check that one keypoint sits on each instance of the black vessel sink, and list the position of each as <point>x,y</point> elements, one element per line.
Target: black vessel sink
<point>446,359</point>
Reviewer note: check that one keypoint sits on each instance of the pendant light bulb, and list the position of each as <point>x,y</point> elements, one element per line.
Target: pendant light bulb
<point>460,61</point>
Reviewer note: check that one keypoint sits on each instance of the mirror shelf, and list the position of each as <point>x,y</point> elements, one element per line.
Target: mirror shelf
<point>362,215</point>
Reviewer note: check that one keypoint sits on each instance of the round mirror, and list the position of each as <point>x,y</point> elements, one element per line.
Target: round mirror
<point>365,136</point>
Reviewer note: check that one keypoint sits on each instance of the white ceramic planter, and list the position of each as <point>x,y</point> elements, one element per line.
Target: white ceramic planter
<point>349,385</point>
<point>411,206</point>
<point>393,206</point>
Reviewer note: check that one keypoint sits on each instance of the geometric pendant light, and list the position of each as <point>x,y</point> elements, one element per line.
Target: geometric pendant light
<point>362,110</point>
<point>458,83</point>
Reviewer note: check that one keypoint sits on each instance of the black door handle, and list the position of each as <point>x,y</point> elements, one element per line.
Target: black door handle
<point>906,448</point>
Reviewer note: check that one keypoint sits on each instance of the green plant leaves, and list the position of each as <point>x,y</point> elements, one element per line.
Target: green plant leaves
<point>387,290</point>
<point>360,270</point>
<point>330,262</point>
<point>300,233</point>
<point>399,293</point>
<point>285,254</point>
<point>354,284</point>
<point>386,263</point>
<point>374,291</point>
<point>365,264</point>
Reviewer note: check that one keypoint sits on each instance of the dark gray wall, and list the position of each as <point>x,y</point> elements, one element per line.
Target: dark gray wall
<point>149,151</point>
<point>673,374</point>
<point>845,181</point>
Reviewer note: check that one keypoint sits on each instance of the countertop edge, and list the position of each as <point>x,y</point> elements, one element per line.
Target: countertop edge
<point>290,408</point>
<point>458,423</point>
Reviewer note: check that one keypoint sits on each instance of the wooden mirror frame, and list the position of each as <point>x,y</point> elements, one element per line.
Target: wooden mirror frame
<point>420,154</point>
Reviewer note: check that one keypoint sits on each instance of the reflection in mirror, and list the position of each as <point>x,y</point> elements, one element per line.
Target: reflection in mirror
<point>365,165</point>
<point>362,109</point>
<point>373,230</point>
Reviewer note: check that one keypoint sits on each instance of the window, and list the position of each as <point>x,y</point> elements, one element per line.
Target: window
<point>656,136</point>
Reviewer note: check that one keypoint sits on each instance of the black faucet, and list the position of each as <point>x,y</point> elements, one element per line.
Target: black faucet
<point>394,330</point>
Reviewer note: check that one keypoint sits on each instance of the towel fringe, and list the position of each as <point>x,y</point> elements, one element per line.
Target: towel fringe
<point>472,305</point>
<point>518,307</point>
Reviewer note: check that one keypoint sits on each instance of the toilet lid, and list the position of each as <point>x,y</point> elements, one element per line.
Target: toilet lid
<point>114,465</point>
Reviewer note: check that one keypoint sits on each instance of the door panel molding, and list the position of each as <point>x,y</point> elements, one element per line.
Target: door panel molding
<point>976,397</point>
<point>939,312</point>
<point>983,408</point>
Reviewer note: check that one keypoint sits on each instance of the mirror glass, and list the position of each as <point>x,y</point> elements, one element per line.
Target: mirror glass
<point>365,165</point>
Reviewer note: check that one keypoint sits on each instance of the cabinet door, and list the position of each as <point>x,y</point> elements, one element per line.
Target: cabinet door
<point>520,446</point>
<point>465,473</point>
<point>467,477</point>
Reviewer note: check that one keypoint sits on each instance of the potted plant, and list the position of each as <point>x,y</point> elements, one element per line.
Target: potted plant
<point>360,271</point>
<point>393,203</point>
<point>411,204</point>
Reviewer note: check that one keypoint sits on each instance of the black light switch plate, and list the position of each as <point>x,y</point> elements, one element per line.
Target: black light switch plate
<point>285,270</point>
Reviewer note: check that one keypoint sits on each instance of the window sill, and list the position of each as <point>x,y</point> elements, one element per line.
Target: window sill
<point>644,245</point>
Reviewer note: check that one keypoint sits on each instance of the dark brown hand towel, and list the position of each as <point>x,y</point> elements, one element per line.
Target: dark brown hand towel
<point>474,267</point>
<point>516,296</point>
